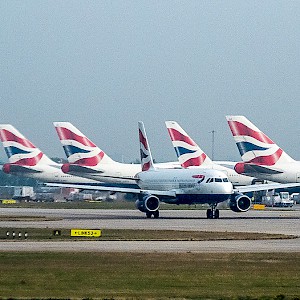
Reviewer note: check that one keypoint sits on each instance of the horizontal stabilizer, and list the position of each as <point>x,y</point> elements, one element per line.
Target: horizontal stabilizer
<point>73,168</point>
<point>11,168</point>
<point>262,169</point>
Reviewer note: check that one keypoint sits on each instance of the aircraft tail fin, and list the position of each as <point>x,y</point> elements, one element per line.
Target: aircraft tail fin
<point>19,150</point>
<point>145,152</point>
<point>78,148</point>
<point>254,146</point>
<point>188,152</point>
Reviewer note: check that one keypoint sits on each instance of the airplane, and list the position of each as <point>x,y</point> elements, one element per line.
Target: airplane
<point>87,160</point>
<point>25,159</point>
<point>261,157</point>
<point>184,186</point>
<point>191,155</point>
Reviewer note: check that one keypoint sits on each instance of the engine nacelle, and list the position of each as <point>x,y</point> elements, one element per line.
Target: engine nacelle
<point>147,203</point>
<point>240,203</point>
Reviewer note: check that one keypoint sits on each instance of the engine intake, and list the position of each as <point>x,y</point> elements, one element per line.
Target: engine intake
<point>147,203</point>
<point>240,203</point>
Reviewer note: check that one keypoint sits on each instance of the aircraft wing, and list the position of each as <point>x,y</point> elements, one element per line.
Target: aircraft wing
<point>111,188</point>
<point>263,187</point>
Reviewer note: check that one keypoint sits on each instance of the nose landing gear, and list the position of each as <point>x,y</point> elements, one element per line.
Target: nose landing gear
<point>213,212</point>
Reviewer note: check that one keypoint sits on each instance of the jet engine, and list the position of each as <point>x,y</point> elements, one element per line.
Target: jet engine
<point>239,203</point>
<point>147,203</point>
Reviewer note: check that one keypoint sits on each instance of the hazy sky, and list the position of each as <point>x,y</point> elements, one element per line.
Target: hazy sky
<point>105,65</point>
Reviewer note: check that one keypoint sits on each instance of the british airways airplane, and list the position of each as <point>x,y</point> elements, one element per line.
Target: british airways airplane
<point>184,186</point>
<point>261,157</point>
<point>191,155</point>
<point>89,161</point>
<point>25,159</point>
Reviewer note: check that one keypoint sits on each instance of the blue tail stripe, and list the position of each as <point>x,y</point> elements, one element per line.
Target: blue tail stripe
<point>245,147</point>
<point>70,150</point>
<point>181,151</point>
<point>11,150</point>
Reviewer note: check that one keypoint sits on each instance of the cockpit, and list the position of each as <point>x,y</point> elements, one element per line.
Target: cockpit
<point>212,179</point>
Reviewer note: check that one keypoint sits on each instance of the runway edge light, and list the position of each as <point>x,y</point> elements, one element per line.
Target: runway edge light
<point>86,232</point>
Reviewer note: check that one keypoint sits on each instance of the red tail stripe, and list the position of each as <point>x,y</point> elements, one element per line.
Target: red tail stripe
<point>178,136</point>
<point>143,140</point>
<point>267,160</point>
<point>194,162</point>
<point>7,136</point>
<point>238,128</point>
<point>66,134</point>
<point>32,161</point>
<point>90,161</point>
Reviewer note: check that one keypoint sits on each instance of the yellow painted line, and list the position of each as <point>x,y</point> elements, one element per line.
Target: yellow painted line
<point>86,232</point>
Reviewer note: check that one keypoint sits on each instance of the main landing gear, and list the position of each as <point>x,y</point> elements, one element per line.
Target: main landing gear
<point>213,212</point>
<point>154,213</point>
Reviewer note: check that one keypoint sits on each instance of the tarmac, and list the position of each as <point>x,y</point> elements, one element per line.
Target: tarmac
<point>281,221</point>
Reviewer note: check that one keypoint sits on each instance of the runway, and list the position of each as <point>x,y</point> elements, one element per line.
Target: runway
<point>284,221</point>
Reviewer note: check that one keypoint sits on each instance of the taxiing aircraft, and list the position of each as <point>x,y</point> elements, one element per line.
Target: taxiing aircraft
<point>89,161</point>
<point>184,186</point>
<point>191,155</point>
<point>261,157</point>
<point>27,160</point>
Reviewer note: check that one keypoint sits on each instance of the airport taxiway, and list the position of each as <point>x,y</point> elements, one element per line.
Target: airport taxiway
<point>285,221</point>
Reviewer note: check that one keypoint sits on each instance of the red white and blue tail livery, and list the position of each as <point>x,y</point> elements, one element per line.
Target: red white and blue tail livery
<point>78,148</point>
<point>260,155</point>
<point>146,157</point>
<point>188,152</point>
<point>20,151</point>
<point>25,159</point>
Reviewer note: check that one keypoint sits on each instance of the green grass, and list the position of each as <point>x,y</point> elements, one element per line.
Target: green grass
<point>150,275</point>
<point>140,235</point>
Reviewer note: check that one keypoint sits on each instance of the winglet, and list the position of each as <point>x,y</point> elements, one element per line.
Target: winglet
<point>146,157</point>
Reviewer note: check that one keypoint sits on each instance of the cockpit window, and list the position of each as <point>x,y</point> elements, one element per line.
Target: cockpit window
<point>225,180</point>
<point>208,180</point>
<point>218,179</point>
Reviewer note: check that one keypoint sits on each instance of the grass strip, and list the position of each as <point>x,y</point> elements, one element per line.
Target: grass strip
<point>150,275</point>
<point>136,235</point>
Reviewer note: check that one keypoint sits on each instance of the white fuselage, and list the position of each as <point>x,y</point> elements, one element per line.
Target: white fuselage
<point>118,172</point>
<point>186,181</point>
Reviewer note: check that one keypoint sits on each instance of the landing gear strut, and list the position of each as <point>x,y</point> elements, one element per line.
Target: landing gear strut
<point>213,212</point>
<point>154,213</point>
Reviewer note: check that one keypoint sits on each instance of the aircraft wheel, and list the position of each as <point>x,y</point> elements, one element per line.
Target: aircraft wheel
<point>148,214</point>
<point>217,214</point>
<point>209,214</point>
<point>156,214</point>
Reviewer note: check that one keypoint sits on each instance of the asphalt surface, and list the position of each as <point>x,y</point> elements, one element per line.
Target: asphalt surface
<point>285,221</point>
